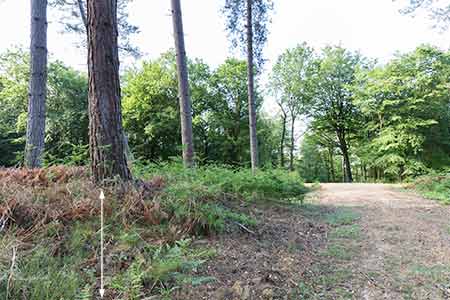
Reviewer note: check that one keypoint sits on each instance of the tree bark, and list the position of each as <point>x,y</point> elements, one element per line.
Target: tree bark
<point>348,169</point>
<point>106,137</point>
<point>345,154</point>
<point>291,153</point>
<point>251,90</point>
<point>283,138</point>
<point>34,147</point>
<point>183,86</point>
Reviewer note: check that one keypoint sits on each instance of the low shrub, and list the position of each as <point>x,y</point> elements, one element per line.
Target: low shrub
<point>435,186</point>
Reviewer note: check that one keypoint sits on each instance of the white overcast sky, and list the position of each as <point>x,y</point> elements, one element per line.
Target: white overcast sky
<point>374,27</point>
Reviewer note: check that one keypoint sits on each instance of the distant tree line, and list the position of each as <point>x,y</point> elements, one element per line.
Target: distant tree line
<point>366,121</point>
<point>150,108</point>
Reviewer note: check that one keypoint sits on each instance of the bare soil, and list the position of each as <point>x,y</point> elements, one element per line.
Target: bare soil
<point>405,248</point>
<point>351,241</point>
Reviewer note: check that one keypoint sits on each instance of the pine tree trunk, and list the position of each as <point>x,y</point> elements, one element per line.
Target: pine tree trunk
<point>106,138</point>
<point>38,85</point>
<point>291,157</point>
<point>251,90</point>
<point>183,86</point>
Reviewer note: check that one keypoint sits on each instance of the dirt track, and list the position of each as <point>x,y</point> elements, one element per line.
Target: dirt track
<point>350,241</point>
<point>404,251</point>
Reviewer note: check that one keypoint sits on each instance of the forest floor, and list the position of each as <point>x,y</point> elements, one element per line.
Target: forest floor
<point>350,241</point>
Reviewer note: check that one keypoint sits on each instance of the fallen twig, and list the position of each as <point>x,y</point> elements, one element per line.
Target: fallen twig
<point>245,228</point>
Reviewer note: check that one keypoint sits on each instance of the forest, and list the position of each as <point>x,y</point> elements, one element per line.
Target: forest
<point>366,122</point>
<point>158,179</point>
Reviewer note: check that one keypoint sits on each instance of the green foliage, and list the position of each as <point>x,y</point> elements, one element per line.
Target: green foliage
<point>406,108</point>
<point>220,112</point>
<point>41,275</point>
<point>67,119</point>
<point>332,109</point>
<point>434,186</point>
<point>314,161</point>
<point>386,123</point>
<point>151,111</point>
<point>162,268</point>
<point>291,79</point>
<point>290,84</point>
<point>203,193</point>
<point>266,184</point>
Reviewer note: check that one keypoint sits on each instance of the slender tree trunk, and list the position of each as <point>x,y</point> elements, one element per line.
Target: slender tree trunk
<point>251,90</point>
<point>331,157</point>
<point>237,131</point>
<point>346,157</point>
<point>327,163</point>
<point>283,138</point>
<point>291,154</point>
<point>347,165</point>
<point>106,137</point>
<point>34,147</point>
<point>183,86</point>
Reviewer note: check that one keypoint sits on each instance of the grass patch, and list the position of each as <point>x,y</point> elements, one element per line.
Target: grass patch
<point>346,232</point>
<point>161,269</point>
<point>435,274</point>
<point>342,216</point>
<point>338,251</point>
<point>330,277</point>
<point>328,282</point>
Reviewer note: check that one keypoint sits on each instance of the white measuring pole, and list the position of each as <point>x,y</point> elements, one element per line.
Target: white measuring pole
<point>102,286</point>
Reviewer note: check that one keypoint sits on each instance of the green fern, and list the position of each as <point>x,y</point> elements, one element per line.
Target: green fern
<point>135,276</point>
<point>85,293</point>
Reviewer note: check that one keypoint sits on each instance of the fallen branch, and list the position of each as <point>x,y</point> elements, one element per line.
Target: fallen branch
<point>245,228</point>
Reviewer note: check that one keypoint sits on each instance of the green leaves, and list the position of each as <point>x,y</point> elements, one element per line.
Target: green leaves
<point>67,119</point>
<point>220,111</point>
<point>291,79</point>
<point>406,107</point>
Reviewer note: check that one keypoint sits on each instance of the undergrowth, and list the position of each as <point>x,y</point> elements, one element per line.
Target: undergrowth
<point>434,186</point>
<point>49,227</point>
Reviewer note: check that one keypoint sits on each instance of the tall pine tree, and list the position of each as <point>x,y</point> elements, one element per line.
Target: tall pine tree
<point>247,25</point>
<point>106,138</point>
<point>38,85</point>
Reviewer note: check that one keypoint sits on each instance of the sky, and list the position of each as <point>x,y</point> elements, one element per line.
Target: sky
<point>373,27</point>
